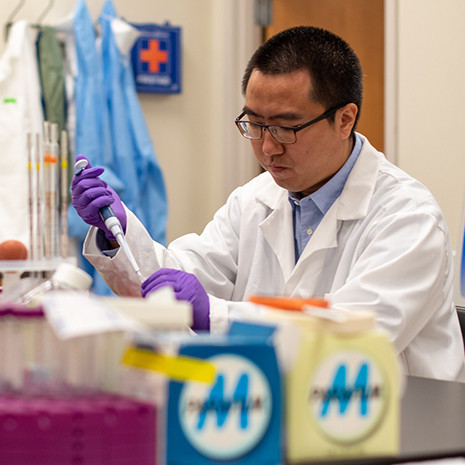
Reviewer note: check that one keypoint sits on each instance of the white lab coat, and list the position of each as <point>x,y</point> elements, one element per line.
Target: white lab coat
<point>383,245</point>
<point>20,113</point>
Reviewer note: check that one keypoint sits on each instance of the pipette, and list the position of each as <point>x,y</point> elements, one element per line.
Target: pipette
<point>112,223</point>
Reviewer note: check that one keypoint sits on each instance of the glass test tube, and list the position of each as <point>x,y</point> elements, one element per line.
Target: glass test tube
<point>31,203</point>
<point>50,190</point>
<point>64,193</point>
<point>37,157</point>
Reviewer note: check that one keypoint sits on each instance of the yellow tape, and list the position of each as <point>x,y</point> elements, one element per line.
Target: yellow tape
<point>179,368</point>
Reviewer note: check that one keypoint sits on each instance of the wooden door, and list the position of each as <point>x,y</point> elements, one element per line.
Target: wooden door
<point>361,24</point>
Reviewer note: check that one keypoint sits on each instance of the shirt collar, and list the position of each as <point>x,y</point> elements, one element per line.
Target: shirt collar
<point>325,196</point>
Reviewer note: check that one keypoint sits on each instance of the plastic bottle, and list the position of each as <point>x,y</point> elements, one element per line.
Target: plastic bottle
<point>66,277</point>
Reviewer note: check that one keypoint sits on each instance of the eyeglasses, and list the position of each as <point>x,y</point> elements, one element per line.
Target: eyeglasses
<point>283,134</point>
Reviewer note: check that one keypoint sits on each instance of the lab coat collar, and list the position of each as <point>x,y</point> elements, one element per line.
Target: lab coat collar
<point>277,229</point>
<point>354,200</point>
<point>352,204</point>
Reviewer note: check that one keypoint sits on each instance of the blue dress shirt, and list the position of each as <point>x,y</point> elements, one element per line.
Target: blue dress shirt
<point>308,212</point>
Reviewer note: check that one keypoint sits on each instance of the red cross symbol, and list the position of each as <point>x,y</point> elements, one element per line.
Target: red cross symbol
<point>154,56</point>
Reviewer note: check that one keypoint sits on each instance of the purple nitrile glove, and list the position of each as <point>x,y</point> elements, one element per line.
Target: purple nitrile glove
<point>186,287</point>
<point>89,194</point>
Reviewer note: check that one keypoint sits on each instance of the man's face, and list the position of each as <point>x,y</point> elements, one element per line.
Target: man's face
<point>320,149</point>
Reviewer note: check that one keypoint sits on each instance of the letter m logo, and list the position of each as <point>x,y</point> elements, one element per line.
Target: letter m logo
<point>343,392</point>
<point>221,405</point>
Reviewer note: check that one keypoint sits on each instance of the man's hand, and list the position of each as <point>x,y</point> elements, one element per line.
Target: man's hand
<point>89,194</point>
<point>186,287</point>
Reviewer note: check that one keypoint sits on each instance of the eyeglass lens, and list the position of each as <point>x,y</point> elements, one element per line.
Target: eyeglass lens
<point>254,131</point>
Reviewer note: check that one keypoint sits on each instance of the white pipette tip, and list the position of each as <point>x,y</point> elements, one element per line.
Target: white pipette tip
<point>119,236</point>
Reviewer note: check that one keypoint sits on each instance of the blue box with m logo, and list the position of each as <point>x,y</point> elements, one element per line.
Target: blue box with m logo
<point>236,418</point>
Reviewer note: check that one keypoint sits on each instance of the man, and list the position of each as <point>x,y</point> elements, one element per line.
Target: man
<point>330,217</point>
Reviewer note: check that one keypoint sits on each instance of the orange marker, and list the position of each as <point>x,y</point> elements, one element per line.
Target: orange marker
<point>288,303</point>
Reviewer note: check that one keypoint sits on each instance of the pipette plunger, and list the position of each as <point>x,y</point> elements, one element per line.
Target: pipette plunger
<point>79,166</point>
<point>112,223</point>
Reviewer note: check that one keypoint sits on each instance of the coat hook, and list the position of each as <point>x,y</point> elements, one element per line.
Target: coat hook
<point>44,13</point>
<point>11,17</point>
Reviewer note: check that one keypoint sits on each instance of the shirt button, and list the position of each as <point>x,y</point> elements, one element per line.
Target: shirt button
<point>309,231</point>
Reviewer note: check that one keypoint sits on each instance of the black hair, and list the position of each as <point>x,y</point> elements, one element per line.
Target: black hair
<point>334,67</point>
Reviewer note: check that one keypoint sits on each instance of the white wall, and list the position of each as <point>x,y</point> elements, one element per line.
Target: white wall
<point>193,132</point>
<point>431,98</point>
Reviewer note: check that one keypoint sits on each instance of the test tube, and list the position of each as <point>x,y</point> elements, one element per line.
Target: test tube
<point>3,353</point>
<point>29,363</point>
<point>39,197</point>
<point>54,149</point>
<point>32,192</point>
<point>64,193</point>
<point>50,190</point>
<point>14,362</point>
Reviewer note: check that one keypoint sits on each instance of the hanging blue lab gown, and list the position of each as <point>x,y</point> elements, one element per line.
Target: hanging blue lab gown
<point>92,137</point>
<point>111,129</point>
<point>134,156</point>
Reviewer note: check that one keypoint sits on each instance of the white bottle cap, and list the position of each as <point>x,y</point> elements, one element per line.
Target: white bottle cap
<point>72,277</point>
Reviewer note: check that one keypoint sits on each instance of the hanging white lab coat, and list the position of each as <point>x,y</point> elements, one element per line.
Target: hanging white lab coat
<point>20,113</point>
<point>383,245</point>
